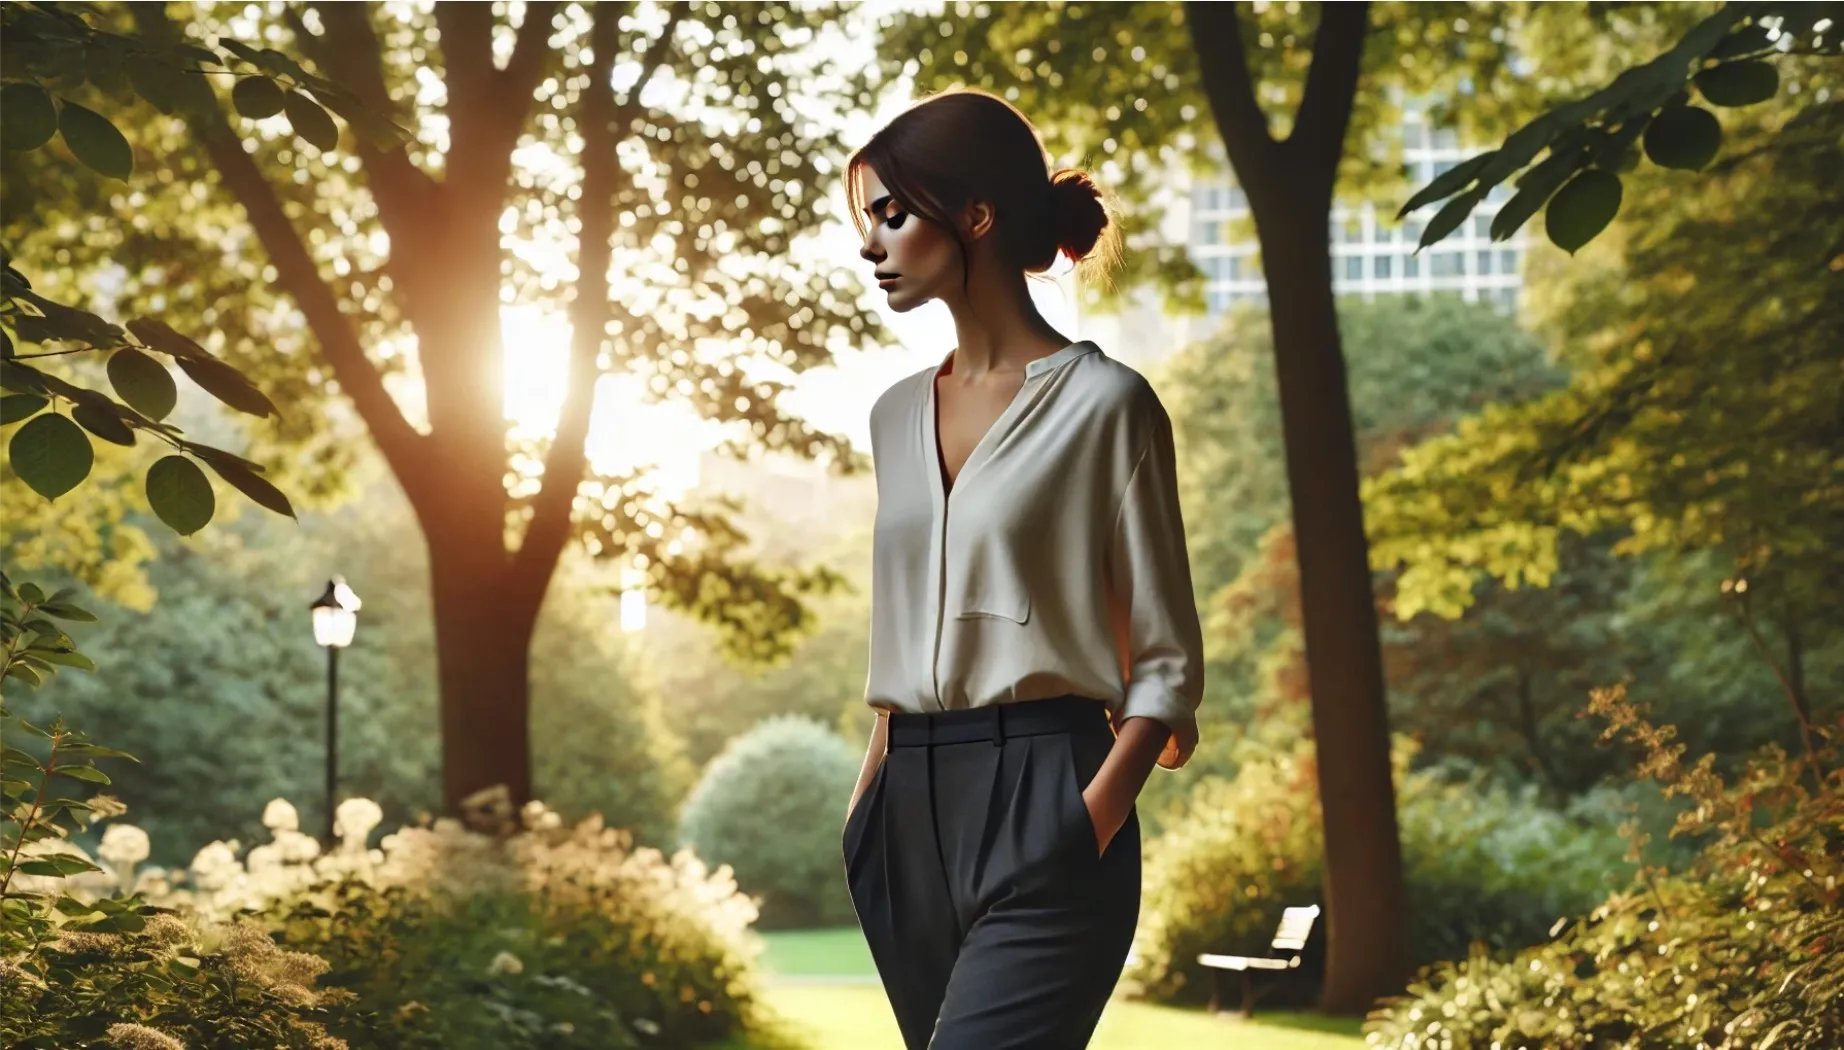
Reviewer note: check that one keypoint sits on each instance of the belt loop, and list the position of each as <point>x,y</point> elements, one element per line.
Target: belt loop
<point>998,725</point>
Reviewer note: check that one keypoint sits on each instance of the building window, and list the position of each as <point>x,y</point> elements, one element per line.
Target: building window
<point>1415,136</point>
<point>1235,267</point>
<point>1353,232</point>
<point>1485,263</point>
<point>1235,199</point>
<point>1218,300</point>
<point>1379,267</point>
<point>1209,233</point>
<point>1354,267</point>
<point>1411,232</point>
<point>1507,261</point>
<point>1411,266</point>
<point>1446,138</point>
<point>1505,299</point>
<point>1447,264</point>
<point>1482,227</point>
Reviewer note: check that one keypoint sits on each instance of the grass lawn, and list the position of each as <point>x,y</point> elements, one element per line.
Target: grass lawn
<point>855,1016</point>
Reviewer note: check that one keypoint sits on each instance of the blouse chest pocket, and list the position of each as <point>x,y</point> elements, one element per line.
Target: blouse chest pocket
<point>995,592</point>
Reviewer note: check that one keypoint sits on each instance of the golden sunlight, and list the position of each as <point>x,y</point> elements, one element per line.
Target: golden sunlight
<point>627,431</point>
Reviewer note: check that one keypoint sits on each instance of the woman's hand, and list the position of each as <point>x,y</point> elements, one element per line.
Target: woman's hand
<point>1110,795</point>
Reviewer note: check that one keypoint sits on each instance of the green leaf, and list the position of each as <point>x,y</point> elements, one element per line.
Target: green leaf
<point>1451,215</point>
<point>162,337</point>
<point>374,129</point>
<point>67,611</point>
<point>51,455</point>
<point>15,407</point>
<point>30,119</point>
<point>21,379</point>
<point>311,122</point>
<point>143,382</point>
<point>105,68</point>
<point>241,50</point>
<point>257,97</point>
<point>95,141</point>
<point>97,751</point>
<point>1686,137</point>
<point>14,788</point>
<point>1582,209</point>
<point>155,81</point>
<point>180,494</point>
<point>29,728</point>
<point>66,658</point>
<point>1533,190</point>
<point>1744,41</point>
<point>58,865</point>
<point>227,385</point>
<point>10,755</point>
<point>1448,182</point>
<point>74,907</point>
<point>252,485</point>
<point>85,773</point>
<point>121,922</point>
<point>104,424</point>
<point>1739,83</point>
<point>25,674</point>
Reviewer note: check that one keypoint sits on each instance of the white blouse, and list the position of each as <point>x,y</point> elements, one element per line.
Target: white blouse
<point>1056,565</point>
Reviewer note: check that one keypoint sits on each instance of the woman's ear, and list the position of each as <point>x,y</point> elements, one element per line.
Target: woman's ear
<point>978,218</point>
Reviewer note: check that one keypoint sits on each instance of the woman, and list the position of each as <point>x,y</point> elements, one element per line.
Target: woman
<point>1034,646</point>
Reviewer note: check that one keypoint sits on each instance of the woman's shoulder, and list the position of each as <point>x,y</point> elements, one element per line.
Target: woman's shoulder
<point>897,397</point>
<point>1117,387</point>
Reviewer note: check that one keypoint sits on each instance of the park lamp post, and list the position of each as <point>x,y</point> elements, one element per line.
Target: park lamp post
<point>336,616</point>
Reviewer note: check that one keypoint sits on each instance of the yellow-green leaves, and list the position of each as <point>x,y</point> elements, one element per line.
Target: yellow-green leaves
<point>51,455</point>
<point>310,122</point>
<point>143,383</point>
<point>1582,209</point>
<point>27,117</point>
<point>95,141</point>
<point>1685,137</point>
<point>180,494</point>
<point>1738,83</point>
<point>257,97</point>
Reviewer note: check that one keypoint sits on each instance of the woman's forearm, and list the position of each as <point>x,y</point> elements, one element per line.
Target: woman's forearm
<point>1115,787</point>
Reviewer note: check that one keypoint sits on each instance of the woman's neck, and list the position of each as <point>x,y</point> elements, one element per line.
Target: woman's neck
<point>998,328</point>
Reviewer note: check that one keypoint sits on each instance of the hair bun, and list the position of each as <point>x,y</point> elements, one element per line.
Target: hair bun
<point>1077,216</point>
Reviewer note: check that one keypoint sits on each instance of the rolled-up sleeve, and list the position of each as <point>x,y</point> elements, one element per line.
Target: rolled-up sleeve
<point>1150,574</point>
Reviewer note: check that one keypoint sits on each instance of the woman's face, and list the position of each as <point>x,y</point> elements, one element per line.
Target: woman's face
<point>913,260</point>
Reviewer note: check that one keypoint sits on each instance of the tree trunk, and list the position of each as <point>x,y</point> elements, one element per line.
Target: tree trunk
<point>1289,185</point>
<point>483,667</point>
<point>1367,909</point>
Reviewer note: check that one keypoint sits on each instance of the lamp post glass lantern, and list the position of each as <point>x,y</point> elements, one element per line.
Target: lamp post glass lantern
<point>335,620</point>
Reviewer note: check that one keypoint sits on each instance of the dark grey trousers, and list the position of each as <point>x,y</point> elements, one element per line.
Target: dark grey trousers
<point>993,917</point>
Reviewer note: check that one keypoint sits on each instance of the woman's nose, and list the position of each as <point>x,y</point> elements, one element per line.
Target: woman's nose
<point>869,251</point>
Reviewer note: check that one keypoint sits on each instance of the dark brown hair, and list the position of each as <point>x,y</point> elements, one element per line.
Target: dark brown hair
<point>963,146</point>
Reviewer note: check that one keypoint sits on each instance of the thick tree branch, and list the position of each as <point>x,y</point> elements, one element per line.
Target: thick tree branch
<point>487,107</point>
<point>350,54</point>
<point>1217,41</point>
<point>553,508</point>
<point>1318,137</point>
<point>339,342</point>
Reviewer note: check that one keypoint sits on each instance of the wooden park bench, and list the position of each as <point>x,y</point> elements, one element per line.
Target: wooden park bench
<point>1289,941</point>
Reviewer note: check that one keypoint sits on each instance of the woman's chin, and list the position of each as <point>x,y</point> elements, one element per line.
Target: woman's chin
<point>901,303</point>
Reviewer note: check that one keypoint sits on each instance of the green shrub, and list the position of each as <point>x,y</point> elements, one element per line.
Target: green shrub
<point>771,806</point>
<point>1740,950</point>
<point>1484,865</point>
<point>82,964</point>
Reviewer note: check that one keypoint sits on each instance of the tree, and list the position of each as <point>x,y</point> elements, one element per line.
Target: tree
<point>669,167</point>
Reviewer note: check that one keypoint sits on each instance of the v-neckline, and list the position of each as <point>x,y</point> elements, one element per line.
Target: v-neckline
<point>943,489</point>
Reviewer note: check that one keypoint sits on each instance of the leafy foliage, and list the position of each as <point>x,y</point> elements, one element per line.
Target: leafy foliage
<point>53,455</point>
<point>83,957</point>
<point>1484,865</point>
<point>770,807</point>
<point>1729,58</point>
<point>1740,950</point>
<point>1701,414</point>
